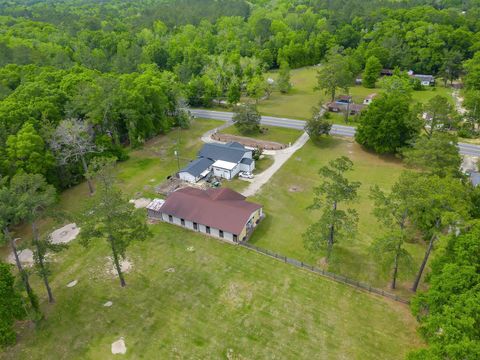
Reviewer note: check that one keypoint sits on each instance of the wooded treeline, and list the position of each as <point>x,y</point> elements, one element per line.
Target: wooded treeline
<point>123,67</point>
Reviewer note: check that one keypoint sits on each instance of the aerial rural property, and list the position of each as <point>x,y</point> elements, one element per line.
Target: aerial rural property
<point>232,179</point>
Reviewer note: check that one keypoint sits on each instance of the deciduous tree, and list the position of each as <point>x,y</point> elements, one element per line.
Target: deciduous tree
<point>283,80</point>
<point>73,140</point>
<point>388,124</point>
<point>247,119</point>
<point>11,306</point>
<point>449,311</point>
<point>28,152</point>
<point>438,204</point>
<point>371,73</point>
<point>318,124</point>
<point>12,211</point>
<point>334,73</point>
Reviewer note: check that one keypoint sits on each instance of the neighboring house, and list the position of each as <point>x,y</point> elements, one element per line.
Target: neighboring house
<point>353,109</point>
<point>368,100</point>
<point>335,107</point>
<point>222,160</point>
<point>344,99</point>
<point>386,72</point>
<point>425,80</point>
<point>222,213</point>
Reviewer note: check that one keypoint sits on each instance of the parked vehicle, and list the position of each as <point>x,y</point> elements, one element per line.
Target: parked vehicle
<point>246,175</point>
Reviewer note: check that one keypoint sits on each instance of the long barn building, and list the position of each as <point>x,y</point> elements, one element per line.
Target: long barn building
<point>222,213</point>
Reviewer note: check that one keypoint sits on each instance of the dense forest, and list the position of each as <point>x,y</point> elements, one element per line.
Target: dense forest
<point>83,77</point>
<point>124,66</point>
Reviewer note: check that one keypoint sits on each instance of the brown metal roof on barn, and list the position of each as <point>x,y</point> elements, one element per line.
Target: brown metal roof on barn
<point>222,209</point>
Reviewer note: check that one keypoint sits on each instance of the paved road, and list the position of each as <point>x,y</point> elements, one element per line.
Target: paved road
<point>342,130</point>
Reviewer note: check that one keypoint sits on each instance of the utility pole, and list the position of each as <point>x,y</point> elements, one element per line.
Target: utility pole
<point>177,148</point>
<point>348,112</point>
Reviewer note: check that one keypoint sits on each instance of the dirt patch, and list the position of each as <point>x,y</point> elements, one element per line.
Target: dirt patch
<point>140,203</point>
<point>65,234</point>
<point>172,184</point>
<point>295,188</point>
<point>118,347</point>
<point>246,141</point>
<point>125,266</point>
<point>72,283</point>
<point>25,256</point>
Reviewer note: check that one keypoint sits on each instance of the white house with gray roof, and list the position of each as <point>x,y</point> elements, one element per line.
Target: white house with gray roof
<point>221,160</point>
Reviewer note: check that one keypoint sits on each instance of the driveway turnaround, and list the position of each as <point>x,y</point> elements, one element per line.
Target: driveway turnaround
<point>340,130</point>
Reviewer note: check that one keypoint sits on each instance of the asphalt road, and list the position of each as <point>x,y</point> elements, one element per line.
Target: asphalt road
<point>341,130</point>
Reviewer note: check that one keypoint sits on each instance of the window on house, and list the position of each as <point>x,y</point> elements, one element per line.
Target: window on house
<point>207,229</point>
<point>220,233</point>
<point>235,238</point>
<point>195,226</point>
<point>182,221</point>
<point>170,218</point>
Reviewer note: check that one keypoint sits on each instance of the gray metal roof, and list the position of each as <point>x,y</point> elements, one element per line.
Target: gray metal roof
<point>247,161</point>
<point>230,152</point>
<point>196,167</point>
<point>424,77</point>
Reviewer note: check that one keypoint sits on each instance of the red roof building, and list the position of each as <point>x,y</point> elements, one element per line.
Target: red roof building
<point>222,213</point>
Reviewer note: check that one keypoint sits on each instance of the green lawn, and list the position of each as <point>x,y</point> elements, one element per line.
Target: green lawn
<point>289,193</point>
<point>147,167</point>
<point>262,164</point>
<point>299,102</point>
<point>270,133</point>
<point>220,300</point>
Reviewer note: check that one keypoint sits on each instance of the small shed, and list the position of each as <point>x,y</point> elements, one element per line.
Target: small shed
<point>153,209</point>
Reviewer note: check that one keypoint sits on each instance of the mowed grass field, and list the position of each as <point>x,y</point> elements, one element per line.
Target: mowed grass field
<point>221,302</point>
<point>290,192</point>
<point>298,103</point>
<point>269,133</point>
<point>217,301</point>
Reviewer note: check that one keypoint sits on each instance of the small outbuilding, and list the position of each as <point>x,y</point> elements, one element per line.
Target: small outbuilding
<point>196,170</point>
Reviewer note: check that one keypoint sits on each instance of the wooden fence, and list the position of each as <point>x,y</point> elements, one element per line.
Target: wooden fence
<point>335,277</point>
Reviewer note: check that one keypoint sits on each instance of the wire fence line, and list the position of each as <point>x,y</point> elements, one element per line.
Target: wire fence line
<point>335,277</point>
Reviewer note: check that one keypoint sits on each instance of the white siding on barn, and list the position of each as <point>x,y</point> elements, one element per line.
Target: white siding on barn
<point>201,228</point>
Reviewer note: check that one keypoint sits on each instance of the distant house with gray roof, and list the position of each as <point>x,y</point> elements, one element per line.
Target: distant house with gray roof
<point>221,160</point>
